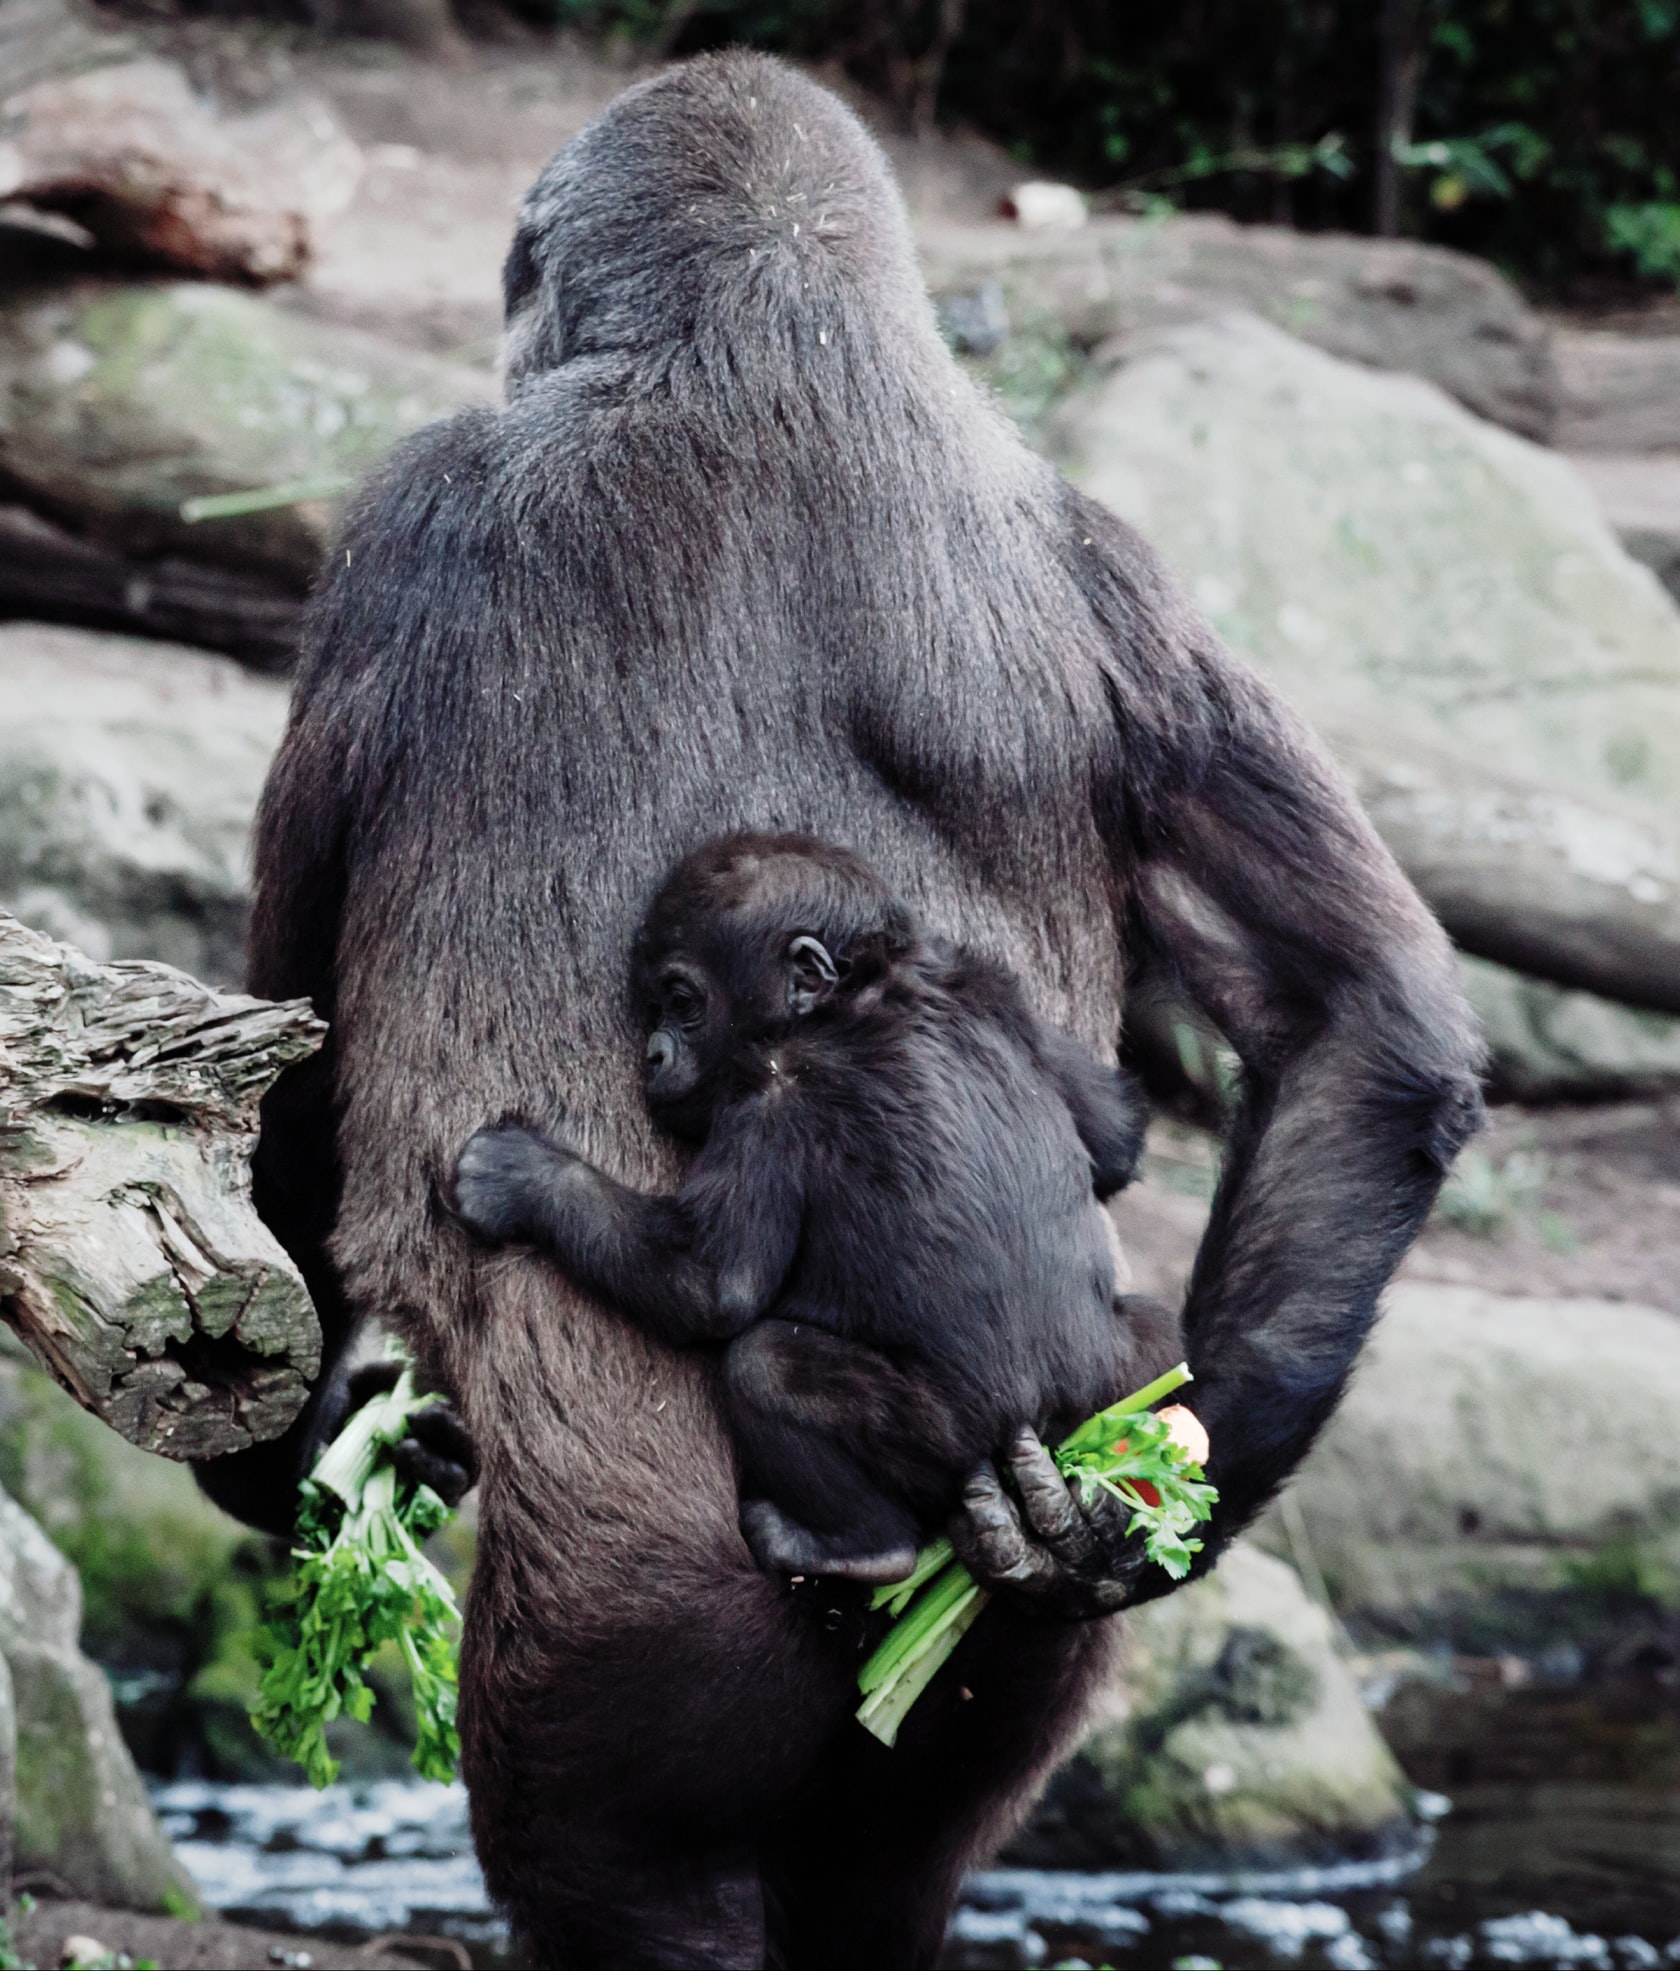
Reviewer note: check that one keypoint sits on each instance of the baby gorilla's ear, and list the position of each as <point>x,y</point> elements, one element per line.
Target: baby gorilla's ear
<point>812,975</point>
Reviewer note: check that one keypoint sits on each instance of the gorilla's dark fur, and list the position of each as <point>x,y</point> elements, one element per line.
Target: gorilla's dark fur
<point>892,1221</point>
<point>746,550</point>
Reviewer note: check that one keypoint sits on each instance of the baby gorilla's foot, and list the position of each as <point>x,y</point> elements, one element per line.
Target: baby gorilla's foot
<point>781,1545</point>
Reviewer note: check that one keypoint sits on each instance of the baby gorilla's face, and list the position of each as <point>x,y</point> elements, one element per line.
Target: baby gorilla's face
<point>701,1014</point>
<point>688,1032</point>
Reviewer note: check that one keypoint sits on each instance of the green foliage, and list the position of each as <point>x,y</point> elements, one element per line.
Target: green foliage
<point>9,1959</point>
<point>1486,1199</point>
<point>1147,1471</point>
<point>1623,1570</point>
<point>361,1582</point>
<point>1541,131</point>
<point>1650,235</point>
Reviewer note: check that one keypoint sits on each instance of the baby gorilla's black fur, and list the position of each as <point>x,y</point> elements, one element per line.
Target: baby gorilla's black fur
<point>892,1219</point>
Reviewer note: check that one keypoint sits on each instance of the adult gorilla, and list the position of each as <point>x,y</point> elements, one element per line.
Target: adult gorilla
<point>746,550</point>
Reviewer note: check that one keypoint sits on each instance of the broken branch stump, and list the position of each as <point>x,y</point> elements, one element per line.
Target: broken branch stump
<point>132,1262</point>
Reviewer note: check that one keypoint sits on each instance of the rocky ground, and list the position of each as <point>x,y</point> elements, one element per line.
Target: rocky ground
<point>1563,1202</point>
<point>57,1931</point>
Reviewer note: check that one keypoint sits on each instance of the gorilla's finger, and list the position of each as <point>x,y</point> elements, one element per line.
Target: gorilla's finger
<point>370,1380</point>
<point>442,1430</point>
<point>992,1543</point>
<point>1051,1509</point>
<point>448,1479</point>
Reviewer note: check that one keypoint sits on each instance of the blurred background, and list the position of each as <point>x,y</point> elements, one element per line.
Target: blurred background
<point>1369,317</point>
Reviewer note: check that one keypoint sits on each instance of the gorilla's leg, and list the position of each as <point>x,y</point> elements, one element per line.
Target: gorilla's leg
<point>865,1870</point>
<point>837,1450</point>
<point>606,1905</point>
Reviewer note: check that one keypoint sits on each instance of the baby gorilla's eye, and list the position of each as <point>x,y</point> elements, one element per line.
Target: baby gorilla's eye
<point>683,1003</point>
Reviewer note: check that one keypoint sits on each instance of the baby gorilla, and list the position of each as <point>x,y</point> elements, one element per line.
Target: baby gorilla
<point>892,1220</point>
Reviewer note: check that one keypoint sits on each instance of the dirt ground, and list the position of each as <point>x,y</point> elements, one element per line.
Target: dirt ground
<point>453,140</point>
<point>1560,1202</point>
<point>41,1934</point>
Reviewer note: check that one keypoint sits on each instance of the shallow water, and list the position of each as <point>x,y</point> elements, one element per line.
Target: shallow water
<point>1560,1848</point>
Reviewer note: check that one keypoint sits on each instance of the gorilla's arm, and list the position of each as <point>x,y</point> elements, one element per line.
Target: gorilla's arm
<point>1108,1106</point>
<point>700,1266</point>
<point>1252,868</point>
<point>307,819</point>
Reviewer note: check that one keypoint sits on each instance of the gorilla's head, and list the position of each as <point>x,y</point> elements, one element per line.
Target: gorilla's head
<point>727,206</point>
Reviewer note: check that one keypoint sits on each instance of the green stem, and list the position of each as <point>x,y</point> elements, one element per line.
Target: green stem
<point>262,499</point>
<point>1095,1433</point>
<point>909,1633</point>
<point>886,1709</point>
<point>896,1595</point>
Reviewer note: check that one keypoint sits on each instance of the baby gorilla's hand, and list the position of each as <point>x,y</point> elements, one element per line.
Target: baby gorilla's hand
<point>500,1180</point>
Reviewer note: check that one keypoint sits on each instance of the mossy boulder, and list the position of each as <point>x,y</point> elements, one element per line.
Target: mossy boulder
<point>1383,555</point>
<point>151,1551</point>
<point>1234,1737</point>
<point>80,1808</point>
<point>129,776</point>
<point>1503,1472</point>
<point>1392,304</point>
<point>118,403</point>
<point>8,1771</point>
<point>82,1811</point>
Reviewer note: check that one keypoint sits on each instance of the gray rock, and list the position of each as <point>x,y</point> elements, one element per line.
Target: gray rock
<point>1235,1736</point>
<point>1617,393</point>
<point>1501,1469</point>
<point>1547,1044</point>
<point>42,38</point>
<point>40,1597</point>
<point>8,1773</point>
<point>82,1811</point>
<point>1393,304</point>
<point>120,403</point>
<point>1403,569</point>
<point>80,1808</point>
<point>129,776</point>
<point>1379,552</point>
<point>1640,495</point>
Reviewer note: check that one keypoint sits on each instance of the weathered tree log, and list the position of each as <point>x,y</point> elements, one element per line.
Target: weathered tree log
<point>132,156</point>
<point>51,576</point>
<point>1582,891</point>
<point>132,1262</point>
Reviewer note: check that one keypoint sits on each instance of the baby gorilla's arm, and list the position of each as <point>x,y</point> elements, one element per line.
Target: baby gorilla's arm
<point>634,1250</point>
<point>1107,1105</point>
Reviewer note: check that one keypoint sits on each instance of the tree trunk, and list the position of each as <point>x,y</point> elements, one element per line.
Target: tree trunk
<point>1397,80</point>
<point>49,576</point>
<point>132,1262</point>
<point>1580,891</point>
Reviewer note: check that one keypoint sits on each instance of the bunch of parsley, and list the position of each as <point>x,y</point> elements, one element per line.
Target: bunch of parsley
<point>360,1581</point>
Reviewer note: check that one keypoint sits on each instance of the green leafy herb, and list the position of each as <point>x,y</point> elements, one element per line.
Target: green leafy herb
<point>362,1581</point>
<point>1124,1451</point>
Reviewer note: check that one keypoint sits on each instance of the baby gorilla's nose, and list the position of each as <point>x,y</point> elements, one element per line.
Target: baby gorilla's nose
<point>661,1050</point>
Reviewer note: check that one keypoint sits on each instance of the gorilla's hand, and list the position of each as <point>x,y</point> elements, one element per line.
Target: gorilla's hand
<point>1056,1551</point>
<point>438,1450</point>
<point>500,1180</point>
